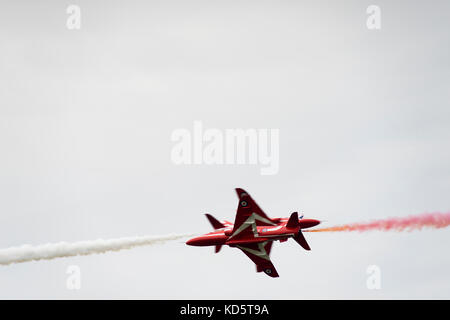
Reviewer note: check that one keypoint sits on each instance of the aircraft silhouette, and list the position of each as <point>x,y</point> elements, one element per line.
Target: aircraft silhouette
<point>253,232</point>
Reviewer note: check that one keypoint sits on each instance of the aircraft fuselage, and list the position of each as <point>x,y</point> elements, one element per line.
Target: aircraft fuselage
<point>280,232</point>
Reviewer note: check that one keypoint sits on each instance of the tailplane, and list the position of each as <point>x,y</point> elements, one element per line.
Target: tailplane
<point>216,224</point>
<point>300,238</point>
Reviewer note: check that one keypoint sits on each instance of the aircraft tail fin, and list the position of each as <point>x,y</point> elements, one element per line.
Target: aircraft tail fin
<point>293,220</point>
<point>300,238</point>
<point>216,224</point>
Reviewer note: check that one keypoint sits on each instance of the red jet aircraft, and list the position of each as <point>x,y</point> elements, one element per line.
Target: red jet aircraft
<point>253,232</point>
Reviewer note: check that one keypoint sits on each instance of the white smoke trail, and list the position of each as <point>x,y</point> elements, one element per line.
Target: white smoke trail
<point>50,251</point>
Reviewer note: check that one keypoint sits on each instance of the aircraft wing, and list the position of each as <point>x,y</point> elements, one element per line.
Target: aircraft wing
<point>249,215</point>
<point>259,254</point>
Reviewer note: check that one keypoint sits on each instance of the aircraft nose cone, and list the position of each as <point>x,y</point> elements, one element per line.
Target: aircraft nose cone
<point>194,241</point>
<point>308,223</point>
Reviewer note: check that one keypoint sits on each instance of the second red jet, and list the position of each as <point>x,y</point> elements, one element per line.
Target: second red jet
<point>253,232</point>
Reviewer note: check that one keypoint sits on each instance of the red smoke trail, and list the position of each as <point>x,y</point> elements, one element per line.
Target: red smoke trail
<point>427,220</point>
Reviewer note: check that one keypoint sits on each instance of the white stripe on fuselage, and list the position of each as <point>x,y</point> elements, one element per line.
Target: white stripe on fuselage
<point>273,229</point>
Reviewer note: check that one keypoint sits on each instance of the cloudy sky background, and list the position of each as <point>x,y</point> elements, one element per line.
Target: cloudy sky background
<point>86,118</point>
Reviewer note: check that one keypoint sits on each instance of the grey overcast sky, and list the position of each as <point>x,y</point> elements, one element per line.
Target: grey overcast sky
<point>86,118</point>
